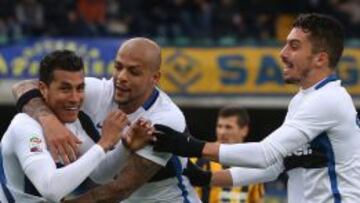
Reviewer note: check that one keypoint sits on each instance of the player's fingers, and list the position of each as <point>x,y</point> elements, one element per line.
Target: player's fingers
<point>63,155</point>
<point>119,114</point>
<point>54,152</point>
<point>163,128</point>
<point>71,153</point>
<point>145,123</point>
<point>150,130</point>
<point>111,115</point>
<point>125,120</point>
<point>73,144</point>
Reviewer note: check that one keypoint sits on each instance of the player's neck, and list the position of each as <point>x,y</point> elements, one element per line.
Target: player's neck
<point>314,78</point>
<point>134,105</point>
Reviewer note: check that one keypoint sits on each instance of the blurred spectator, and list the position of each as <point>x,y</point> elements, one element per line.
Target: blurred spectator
<point>75,26</point>
<point>228,20</point>
<point>93,12</point>
<point>117,23</point>
<point>55,13</point>
<point>3,32</point>
<point>351,8</point>
<point>172,20</point>
<point>203,17</point>
<point>10,30</point>
<point>30,15</point>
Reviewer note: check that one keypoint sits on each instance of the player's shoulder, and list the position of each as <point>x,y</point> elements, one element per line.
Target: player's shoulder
<point>22,123</point>
<point>166,112</point>
<point>98,94</point>
<point>22,119</point>
<point>330,100</point>
<point>94,80</point>
<point>97,85</point>
<point>328,94</point>
<point>163,104</point>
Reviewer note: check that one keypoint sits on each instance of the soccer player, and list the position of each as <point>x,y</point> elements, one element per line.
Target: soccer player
<point>321,116</point>
<point>30,172</point>
<point>232,127</point>
<point>148,176</point>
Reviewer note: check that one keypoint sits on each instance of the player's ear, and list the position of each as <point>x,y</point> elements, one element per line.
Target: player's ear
<point>44,89</point>
<point>156,77</point>
<point>322,59</point>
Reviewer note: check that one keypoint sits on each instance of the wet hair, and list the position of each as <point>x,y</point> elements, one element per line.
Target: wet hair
<point>326,34</point>
<point>59,60</point>
<point>242,115</point>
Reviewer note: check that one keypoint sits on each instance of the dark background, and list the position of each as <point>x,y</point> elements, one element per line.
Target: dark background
<point>201,121</point>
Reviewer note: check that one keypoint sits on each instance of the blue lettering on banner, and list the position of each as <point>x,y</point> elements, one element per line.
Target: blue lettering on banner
<point>348,71</point>
<point>233,70</point>
<point>270,71</point>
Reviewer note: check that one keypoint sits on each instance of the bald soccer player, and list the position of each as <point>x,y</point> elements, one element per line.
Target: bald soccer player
<point>148,176</point>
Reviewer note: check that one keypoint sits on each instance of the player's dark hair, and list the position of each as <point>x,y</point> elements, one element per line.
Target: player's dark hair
<point>326,34</point>
<point>59,60</point>
<point>242,115</point>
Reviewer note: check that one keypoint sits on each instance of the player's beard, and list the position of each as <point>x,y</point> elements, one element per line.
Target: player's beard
<point>301,76</point>
<point>123,100</point>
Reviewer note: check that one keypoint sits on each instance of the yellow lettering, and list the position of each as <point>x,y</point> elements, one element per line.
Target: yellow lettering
<point>3,66</point>
<point>94,53</point>
<point>18,66</point>
<point>109,68</point>
<point>71,46</point>
<point>34,68</point>
<point>28,52</point>
<point>98,67</point>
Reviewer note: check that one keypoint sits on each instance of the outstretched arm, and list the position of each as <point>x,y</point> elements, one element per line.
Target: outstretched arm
<point>62,143</point>
<point>255,155</point>
<point>137,171</point>
<point>232,177</point>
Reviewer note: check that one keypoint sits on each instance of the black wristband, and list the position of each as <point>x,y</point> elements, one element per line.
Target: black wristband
<point>195,147</point>
<point>26,97</point>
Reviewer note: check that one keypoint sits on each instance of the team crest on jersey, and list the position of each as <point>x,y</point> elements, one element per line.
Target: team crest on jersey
<point>35,144</point>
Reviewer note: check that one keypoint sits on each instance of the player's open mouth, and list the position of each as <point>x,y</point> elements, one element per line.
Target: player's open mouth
<point>288,65</point>
<point>122,89</point>
<point>73,108</point>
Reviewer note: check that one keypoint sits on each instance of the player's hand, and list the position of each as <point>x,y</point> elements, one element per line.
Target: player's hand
<point>182,144</point>
<point>114,123</point>
<point>139,134</point>
<point>63,144</point>
<point>316,159</point>
<point>196,175</point>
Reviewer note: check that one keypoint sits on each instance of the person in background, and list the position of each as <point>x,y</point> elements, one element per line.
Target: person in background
<point>232,127</point>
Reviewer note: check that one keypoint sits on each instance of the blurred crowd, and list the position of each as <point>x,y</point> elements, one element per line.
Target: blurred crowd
<point>167,19</point>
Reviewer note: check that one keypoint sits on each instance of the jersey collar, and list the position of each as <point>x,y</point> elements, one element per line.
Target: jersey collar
<point>330,78</point>
<point>151,100</point>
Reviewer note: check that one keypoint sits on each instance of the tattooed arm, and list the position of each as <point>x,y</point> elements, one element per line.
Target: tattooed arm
<point>136,172</point>
<point>61,141</point>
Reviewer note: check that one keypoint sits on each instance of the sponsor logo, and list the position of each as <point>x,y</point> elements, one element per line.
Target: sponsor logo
<point>35,144</point>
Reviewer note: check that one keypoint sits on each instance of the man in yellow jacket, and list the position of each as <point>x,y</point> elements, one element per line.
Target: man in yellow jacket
<point>232,127</point>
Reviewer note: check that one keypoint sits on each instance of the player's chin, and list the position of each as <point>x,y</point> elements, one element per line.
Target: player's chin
<point>69,116</point>
<point>120,99</point>
<point>290,80</point>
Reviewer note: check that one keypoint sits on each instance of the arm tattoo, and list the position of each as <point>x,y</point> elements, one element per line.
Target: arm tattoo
<point>136,172</point>
<point>24,86</point>
<point>36,107</point>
